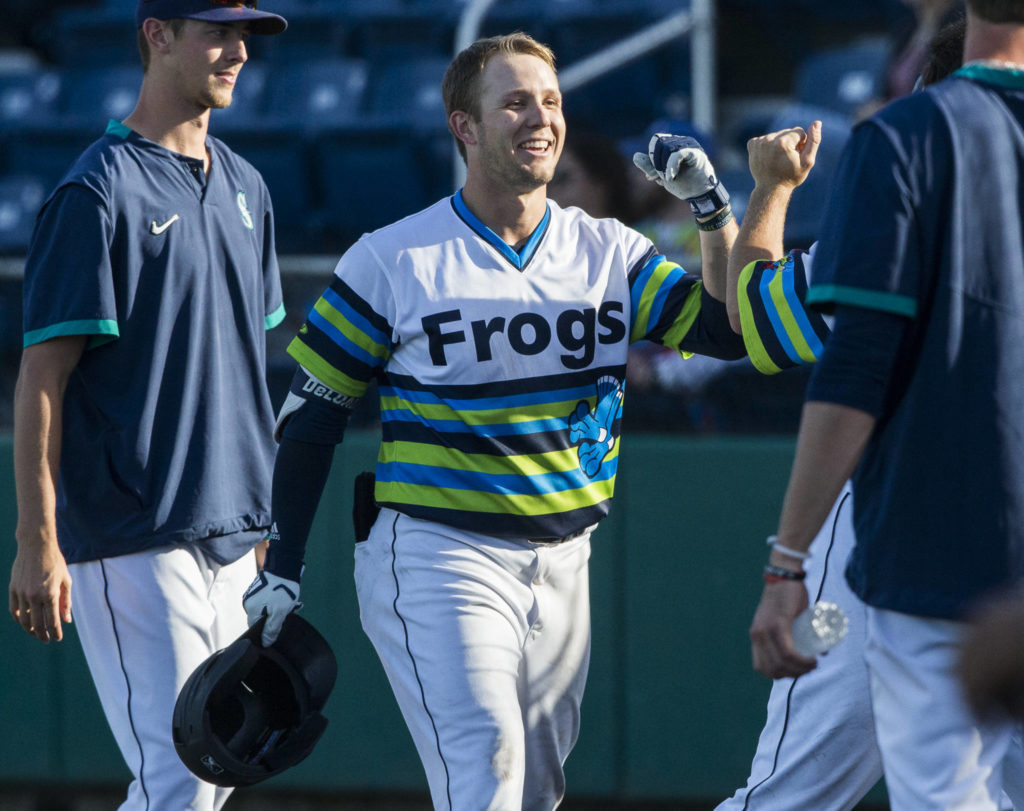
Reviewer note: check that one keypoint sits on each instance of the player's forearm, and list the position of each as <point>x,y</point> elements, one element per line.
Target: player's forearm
<point>831,440</point>
<point>38,413</point>
<point>759,237</point>
<point>715,248</point>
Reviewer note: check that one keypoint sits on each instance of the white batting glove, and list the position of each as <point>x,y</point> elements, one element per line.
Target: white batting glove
<point>272,597</point>
<point>679,164</point>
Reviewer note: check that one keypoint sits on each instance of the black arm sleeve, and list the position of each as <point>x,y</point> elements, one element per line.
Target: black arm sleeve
<point>856,367</point>
<point>712,334</point>
<point>301,468</point>
<point>300,473</point>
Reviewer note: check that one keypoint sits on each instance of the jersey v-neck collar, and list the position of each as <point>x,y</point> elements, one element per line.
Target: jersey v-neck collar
<point>518,259</point>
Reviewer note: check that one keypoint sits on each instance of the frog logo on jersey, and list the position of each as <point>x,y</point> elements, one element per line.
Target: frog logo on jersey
<point>591,431</point>
<point>244,209</point>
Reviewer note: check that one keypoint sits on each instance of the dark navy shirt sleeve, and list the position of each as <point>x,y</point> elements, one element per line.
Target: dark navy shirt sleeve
<point>856,366</point>
<point>869,250</point>
<point>272,295</point>
<point>73,232</point>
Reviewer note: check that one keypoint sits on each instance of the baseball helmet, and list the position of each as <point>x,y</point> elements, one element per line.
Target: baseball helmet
<point>249,712</point>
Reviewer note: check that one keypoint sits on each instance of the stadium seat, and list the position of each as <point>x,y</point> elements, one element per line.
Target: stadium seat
<point>44,153</point>
<point>392,32</point>
<point>321,94</point>
<point>408,92</point>
<point>369,178</point>
<point>93,37</point>
<point>28,99</point>
<point>248,105</point>
<point>93,96</point>
<point>20,199</point>
<point>844,78</point>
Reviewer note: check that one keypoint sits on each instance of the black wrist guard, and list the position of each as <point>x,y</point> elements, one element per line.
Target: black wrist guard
<point>708,203</point>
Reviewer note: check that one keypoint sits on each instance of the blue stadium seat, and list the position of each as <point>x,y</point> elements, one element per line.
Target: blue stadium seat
<point>407,30</point>
<point>44,153</point>
<point>370,178</point>
<point>408,92</point>
<point>322,94</point>
<point>28,99</point>
<point>844,78</point>
<point>93,96</point>
<point>20,199</point>
<point>248,105</point>
<point>94,37</point>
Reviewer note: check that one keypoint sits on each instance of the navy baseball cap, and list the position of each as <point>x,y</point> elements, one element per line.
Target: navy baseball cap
<point>214,11</point>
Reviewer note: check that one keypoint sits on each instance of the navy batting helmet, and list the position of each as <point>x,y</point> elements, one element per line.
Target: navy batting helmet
<point>250,712</point>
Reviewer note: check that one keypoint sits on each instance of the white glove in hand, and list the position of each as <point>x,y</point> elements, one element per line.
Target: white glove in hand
<point>682,167</point>
<point>273,597</point>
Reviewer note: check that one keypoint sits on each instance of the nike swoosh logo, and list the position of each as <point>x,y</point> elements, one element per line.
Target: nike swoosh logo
<point>159,229</point>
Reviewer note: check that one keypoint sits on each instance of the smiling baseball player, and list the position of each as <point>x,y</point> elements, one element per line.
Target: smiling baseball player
<point>497,325</point>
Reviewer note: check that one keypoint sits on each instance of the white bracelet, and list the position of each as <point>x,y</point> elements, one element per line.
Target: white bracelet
<point>773,542</point>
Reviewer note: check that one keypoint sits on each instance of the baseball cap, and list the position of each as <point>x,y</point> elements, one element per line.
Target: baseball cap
<point>214,11</point>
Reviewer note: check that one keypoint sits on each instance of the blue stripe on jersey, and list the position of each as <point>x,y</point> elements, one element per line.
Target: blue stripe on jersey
<point>795,309</point>
<point>338,337</point>
<point>499,483</point>
<point>521,258</point>
<point>505,445</point>
<point>509,388</point>
<point>502,401</point>
<point>491,430</point>
<point>637,282</point>
<point>379,333</point>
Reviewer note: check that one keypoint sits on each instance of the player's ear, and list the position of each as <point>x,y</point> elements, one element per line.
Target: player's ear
<point>462,126</point>
<point>158,34</point>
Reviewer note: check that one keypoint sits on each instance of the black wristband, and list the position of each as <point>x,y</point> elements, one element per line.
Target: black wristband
<point>709,202</point>
<point>720,220</point>
<point>778,573</point>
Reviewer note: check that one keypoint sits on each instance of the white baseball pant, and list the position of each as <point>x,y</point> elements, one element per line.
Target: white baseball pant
<point>818,747</point>
<point>146,621</point>
<point>486,643</point>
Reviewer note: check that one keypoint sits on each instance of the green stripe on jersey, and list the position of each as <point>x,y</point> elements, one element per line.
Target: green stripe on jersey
<point>537,464</point>
<point>498,503</point>
<point>675,334</point>
<point>324,372</point>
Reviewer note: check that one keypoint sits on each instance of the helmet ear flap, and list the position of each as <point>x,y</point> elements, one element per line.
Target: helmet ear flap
<point>249,712</point>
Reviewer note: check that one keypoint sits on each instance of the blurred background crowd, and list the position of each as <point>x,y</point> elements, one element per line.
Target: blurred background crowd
<point>343,117</point>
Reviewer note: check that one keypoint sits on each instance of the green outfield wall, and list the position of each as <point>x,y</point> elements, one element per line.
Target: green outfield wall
<point>672,709</point>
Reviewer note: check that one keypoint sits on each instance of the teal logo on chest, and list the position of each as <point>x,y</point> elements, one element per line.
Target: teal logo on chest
<point>243,209</point>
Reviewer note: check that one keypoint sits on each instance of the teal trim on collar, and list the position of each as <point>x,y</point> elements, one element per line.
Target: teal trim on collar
<point>117,128</point>
<point>858,297</point>
<point>521,258</point>
<point>1010,78</point>
<point>95,329</point>
<point>275,318</point>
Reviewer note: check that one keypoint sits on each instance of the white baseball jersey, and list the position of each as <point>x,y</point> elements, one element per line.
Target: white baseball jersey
<point>501,372</point>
